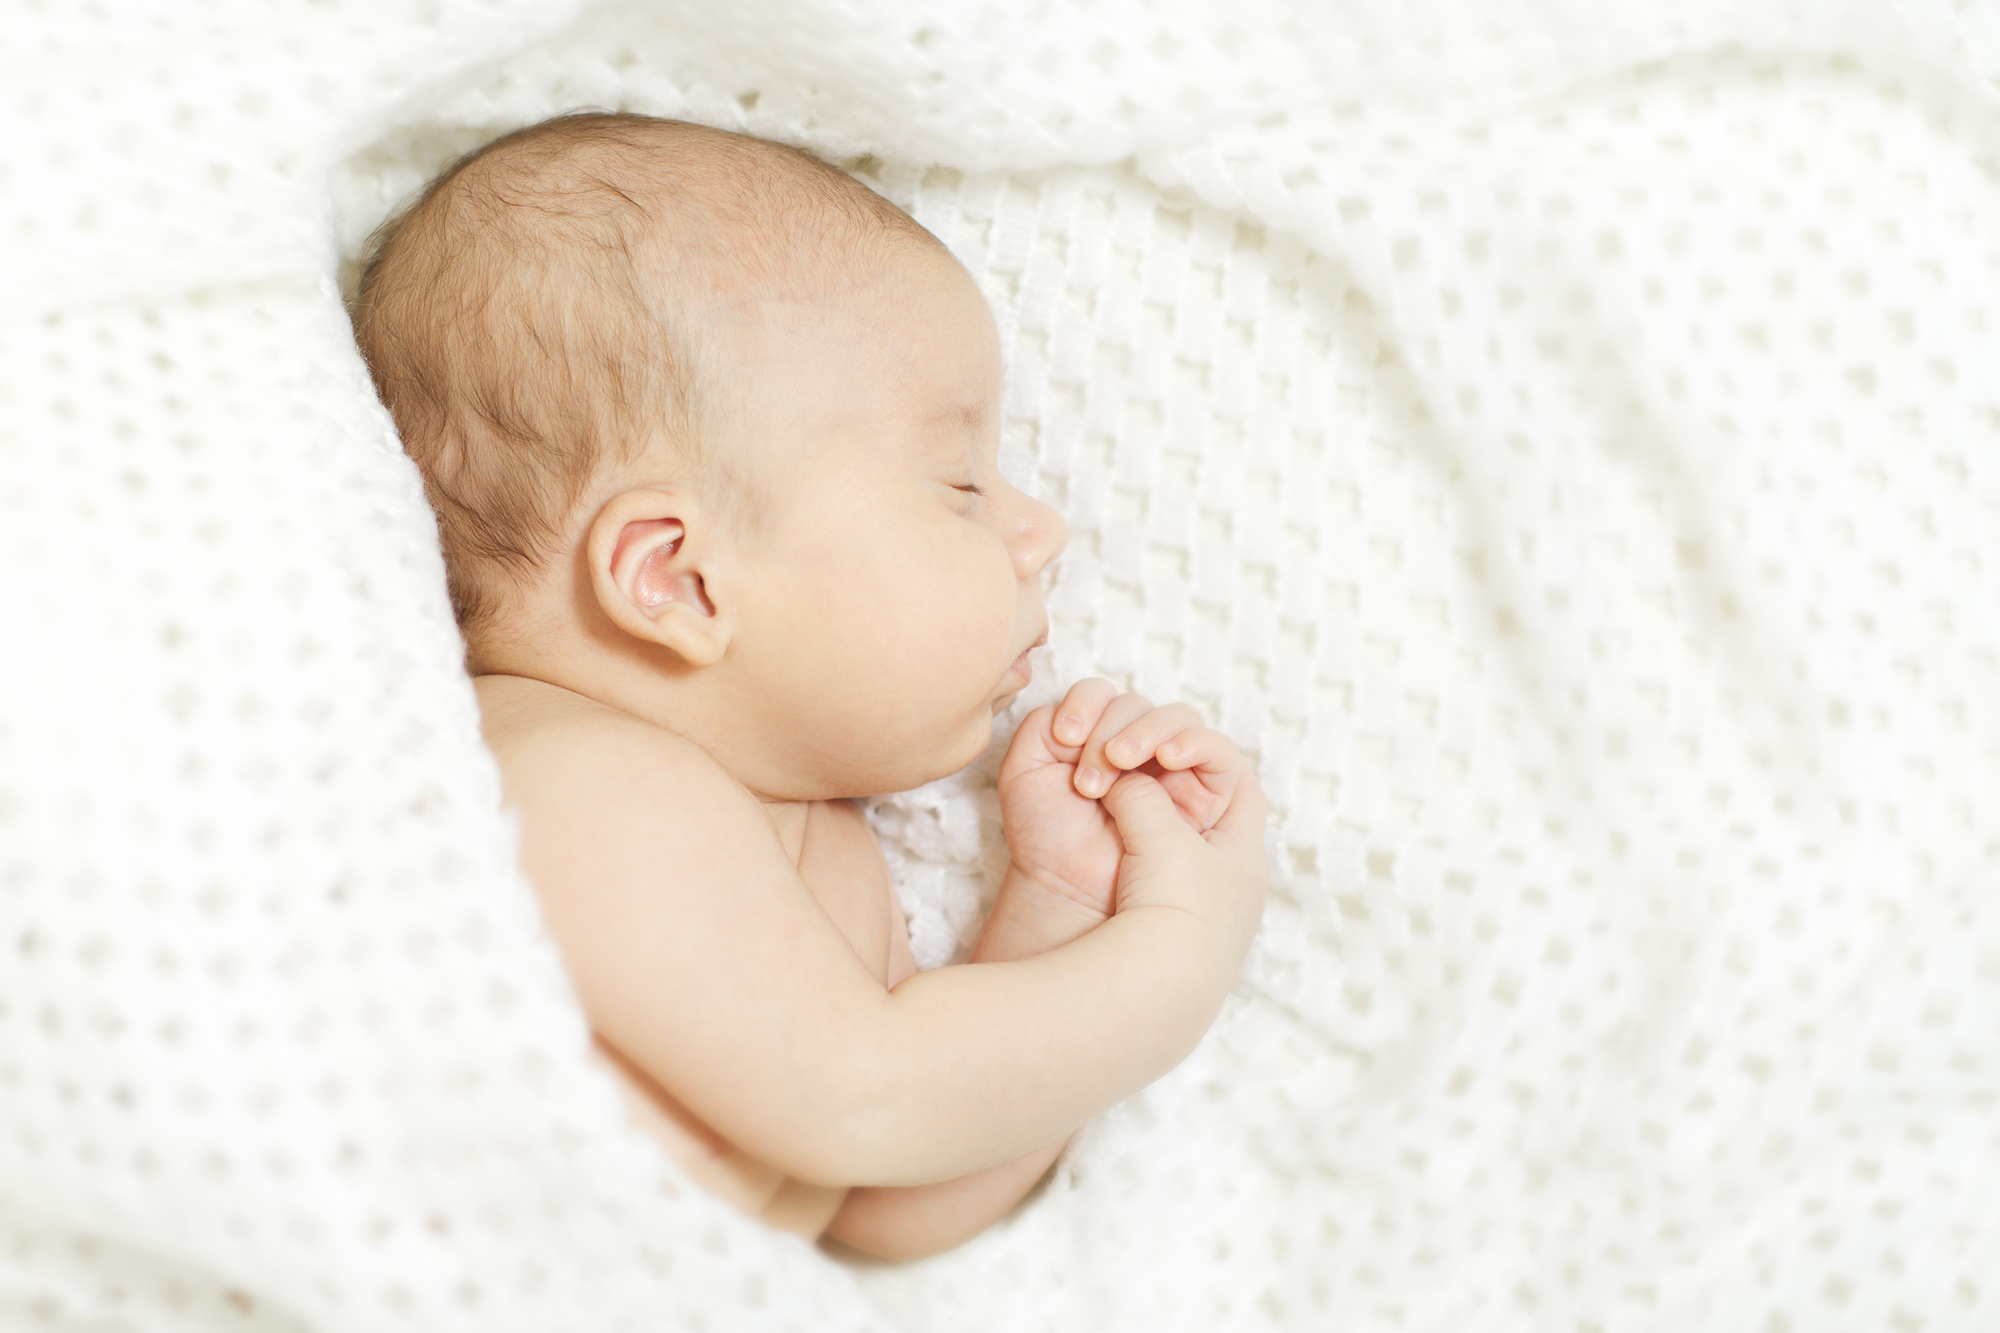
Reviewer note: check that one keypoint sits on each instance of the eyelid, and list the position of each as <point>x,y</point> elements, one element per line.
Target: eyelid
<point>974,487</point>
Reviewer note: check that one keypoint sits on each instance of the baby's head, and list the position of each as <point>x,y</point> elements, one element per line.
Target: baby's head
<point>709,429</point>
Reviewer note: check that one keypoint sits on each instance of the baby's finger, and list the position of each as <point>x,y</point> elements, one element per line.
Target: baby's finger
<point>1076,716</point>
<point>1202,748</point>
<point>1201,769</point>
<point>1095,773</point>
<point>1032,746</point>
<point>1140,738</point>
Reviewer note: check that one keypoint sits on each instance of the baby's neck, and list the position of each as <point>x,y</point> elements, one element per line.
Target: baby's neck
<point>553,659</point>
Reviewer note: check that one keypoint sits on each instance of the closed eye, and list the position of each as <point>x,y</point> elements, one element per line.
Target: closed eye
<point>969,486</point>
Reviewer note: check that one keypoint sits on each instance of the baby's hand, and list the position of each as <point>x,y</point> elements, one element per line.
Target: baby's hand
<point>1063,759</point>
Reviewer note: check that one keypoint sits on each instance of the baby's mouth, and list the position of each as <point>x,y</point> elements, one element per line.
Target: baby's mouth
<point>1024,668</point>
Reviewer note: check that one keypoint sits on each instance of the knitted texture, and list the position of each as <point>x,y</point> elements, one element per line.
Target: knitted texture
<point>1559,441</point>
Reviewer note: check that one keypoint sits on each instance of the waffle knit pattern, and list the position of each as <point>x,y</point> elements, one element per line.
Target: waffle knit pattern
<point>1560,441</point>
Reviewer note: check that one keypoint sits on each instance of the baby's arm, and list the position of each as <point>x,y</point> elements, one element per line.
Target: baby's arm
<point>912,1221</point>
<point>647,855</point>
<point>1059,884</point>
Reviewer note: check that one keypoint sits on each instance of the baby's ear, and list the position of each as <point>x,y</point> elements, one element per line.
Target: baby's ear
<point>646,572</point>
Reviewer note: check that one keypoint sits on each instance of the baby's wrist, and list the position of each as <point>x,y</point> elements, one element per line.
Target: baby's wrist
<point>1061,899</point>
<point>1032,915</point>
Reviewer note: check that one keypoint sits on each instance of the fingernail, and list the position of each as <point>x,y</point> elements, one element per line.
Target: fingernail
<point>1070,730</point>
<point>1089,781</point>
<point>1170,751</point>
<point>1124,748</point>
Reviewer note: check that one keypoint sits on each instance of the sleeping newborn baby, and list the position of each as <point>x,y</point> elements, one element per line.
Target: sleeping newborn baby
<point>710,433</point>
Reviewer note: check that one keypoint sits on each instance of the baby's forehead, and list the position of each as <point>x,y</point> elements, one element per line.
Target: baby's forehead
<point>910,326</point>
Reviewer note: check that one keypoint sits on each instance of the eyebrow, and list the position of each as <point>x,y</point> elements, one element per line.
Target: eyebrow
<point>957,428</point>
<point>969,415</point>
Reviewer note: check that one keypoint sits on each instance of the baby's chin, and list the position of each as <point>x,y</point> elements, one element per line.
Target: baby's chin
<point>964,748</point>
<point>909,762</point>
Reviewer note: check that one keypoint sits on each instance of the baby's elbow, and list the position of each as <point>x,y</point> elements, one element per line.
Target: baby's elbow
<point>829,1132</point>
<point>844,1146</point>
<point>865,1123</point>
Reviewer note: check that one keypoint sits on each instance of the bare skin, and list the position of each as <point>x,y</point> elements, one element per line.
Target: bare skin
<point>684,705</point>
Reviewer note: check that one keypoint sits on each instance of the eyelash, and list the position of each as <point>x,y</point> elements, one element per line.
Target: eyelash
<point>969,486</point>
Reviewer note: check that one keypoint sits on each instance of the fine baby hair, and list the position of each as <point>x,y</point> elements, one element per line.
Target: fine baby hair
<point>524,318</point>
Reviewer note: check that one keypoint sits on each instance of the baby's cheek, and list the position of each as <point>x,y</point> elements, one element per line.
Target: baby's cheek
<point>975,595</point>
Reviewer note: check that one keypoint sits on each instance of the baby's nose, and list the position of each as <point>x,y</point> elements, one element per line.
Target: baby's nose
<point>1042,539</point>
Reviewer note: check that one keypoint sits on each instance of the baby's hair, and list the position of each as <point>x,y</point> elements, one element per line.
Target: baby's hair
<point>532,317</point>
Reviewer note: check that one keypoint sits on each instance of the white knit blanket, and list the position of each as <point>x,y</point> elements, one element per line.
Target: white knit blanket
<point>1561,441</point>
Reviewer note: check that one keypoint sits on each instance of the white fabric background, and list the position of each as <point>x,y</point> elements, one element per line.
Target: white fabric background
<point>1558,440</point>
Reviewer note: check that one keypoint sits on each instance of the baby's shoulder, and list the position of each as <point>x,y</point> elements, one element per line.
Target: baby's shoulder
<point>596,768</point>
